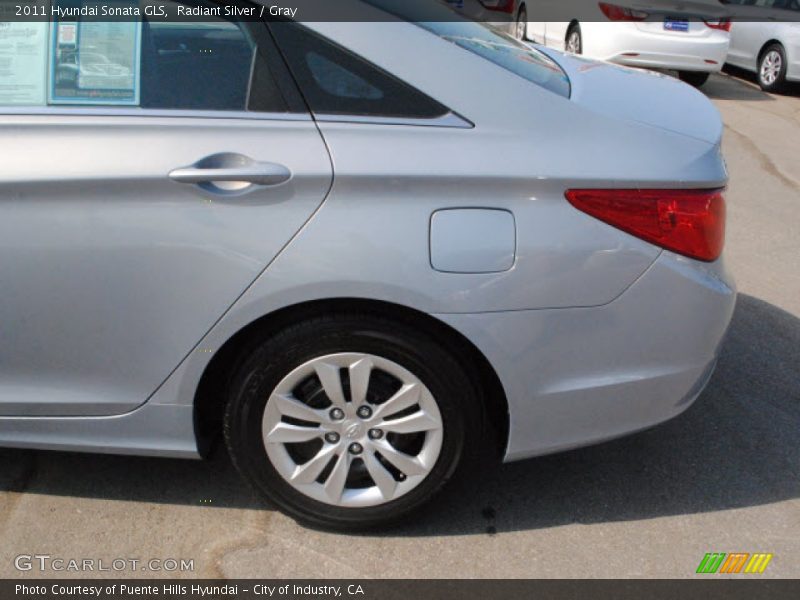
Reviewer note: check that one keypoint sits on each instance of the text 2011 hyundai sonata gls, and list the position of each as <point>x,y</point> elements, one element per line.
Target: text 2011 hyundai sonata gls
<point>360,250</point>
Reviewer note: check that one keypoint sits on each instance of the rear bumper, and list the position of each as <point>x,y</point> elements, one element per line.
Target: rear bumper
<point>630,46</point>
<point>578,376</point>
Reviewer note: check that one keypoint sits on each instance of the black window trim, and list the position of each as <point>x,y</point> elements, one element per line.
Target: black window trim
<point>449,119</point>
<point>75,110</point>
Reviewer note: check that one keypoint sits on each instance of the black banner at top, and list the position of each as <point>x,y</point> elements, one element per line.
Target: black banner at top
<point>489,11</point>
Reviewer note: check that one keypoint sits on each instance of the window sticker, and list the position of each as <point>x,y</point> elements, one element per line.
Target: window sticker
<point>23,63</point>
<point>95,62</point>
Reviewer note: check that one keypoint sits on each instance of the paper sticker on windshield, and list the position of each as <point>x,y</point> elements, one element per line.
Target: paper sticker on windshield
<point>95,62</point>
<point>23,63</point>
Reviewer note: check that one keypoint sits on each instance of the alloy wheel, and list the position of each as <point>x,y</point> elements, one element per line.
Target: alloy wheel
<point>574,42</point>
<point>771,67</point>
<point>352,430</point>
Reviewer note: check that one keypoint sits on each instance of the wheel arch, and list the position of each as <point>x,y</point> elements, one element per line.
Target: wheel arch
<point>572,24</point>
<point>211,392</point>
<point>764,47</point>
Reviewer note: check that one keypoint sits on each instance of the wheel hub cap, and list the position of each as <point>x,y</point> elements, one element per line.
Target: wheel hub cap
<point>354,431</point>
<point>367,458</point>
<point>771,67</point>
<point>573,44</point>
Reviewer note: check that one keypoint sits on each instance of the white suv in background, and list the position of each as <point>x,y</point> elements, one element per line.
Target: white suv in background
<point>660,38</point>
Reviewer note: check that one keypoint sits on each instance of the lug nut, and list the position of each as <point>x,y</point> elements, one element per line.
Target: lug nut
<point>375,434</point>
<point>355,448</point>
<point>331,437</point>
<point>365,412</point>
<point>337,414</point>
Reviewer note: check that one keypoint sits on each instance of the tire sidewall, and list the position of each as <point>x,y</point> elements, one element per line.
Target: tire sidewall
<point>271,362</point>
<point>696,79</point>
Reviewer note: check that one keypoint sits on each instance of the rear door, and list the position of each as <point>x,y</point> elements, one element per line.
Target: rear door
<point>747,38</point>
<point>536,31</point>
<point>555,33</point>
<point>550,33</point>
<point>149,174</point>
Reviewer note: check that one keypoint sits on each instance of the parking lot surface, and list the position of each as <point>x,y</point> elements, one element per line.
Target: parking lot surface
<point>722,477</point>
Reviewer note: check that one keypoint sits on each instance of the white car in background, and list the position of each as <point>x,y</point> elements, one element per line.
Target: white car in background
<point>769,48</point>
<point>691,39</point>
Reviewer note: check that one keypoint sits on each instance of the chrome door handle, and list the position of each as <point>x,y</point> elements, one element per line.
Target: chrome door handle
<point>230,167</point>
<point>260,174</point>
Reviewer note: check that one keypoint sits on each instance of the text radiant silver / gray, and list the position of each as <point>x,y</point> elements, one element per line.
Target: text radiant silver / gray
<point>362,301</point>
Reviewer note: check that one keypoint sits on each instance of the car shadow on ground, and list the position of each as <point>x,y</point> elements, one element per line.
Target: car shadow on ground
<point>736,447</point>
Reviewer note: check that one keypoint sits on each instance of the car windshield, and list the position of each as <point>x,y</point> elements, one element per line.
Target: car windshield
<point>503,50</point>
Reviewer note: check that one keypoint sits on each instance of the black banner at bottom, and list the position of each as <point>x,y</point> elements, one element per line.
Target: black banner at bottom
<point>368,589</point>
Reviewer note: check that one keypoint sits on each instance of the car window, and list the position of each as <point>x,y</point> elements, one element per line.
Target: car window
<point>505,52</point>
<point>335,81</point>
<point>478,38</point>
<point>153,64</point>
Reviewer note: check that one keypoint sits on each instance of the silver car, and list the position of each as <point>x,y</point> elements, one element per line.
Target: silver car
<point>770,49</point>
<point>369,255</point>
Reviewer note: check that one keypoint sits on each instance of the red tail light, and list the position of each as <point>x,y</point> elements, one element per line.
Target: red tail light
<point>689,222</point>
<point>621,13</point>
<point>721,24</point>
<point>506,6</point>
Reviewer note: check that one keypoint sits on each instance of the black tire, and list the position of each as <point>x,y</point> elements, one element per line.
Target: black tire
<point>694,78</point>
<point>444,374</point>
<point>521,30</point>
<point>574,30</point>
<point>779,83</point>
